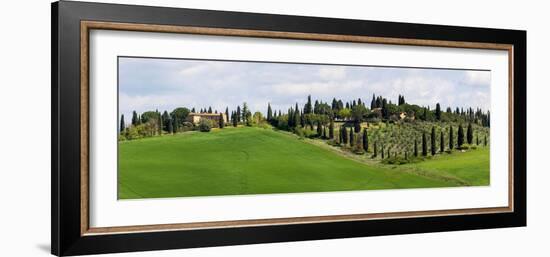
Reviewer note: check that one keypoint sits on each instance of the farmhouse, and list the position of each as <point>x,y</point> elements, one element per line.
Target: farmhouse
<point>195,118</point>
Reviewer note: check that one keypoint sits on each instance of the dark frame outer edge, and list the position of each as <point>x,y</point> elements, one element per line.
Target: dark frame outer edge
<point>66,238</point>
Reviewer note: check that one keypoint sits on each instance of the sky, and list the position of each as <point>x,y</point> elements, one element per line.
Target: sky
<point>151,83</point>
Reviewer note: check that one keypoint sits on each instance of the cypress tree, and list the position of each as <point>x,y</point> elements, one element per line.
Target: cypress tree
<point>209,109</point>
<point>234,119</point>
<point>415,148</point>
<point>460,138</point>
<point>221,121</point>
<point>134,118</point>
<point>441,142</point>
<point>170,126</point>
<point>227,114</point>
<point>432,139</point>
<point>477,139</point>
<point>470,134</point>
<point>165,119</point>
<point>325,132</point>
<point>382,152</point>
<point>238,114</point>
<point>344,135</point>
<point>269,112</point>
<point>122,125</point>
<point>297,121</point>
<point>451,138</point>
<point>244,115</point>
<point>308,107</point>
<point>319,129</point>
<point>340,136</point>
<point>331,129</point>
<point>485,141</point>
<point>351,138</point>
<point>365,140</point>
<point>375,150</point>
<point>424,145</point>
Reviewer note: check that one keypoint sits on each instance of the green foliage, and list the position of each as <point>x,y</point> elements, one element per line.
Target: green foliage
<point>134,118</point>
<point>460,140</point>
<point>205,125</point>
<point>221,121</point>
<point>470,134</point>
<point>365,140</point>
<point>122,125</point>
<point>180,114</point>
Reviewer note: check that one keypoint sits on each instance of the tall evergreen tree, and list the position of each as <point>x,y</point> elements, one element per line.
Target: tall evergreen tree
<point>245,113</point>
<point>432,140</point>
<point>477,139</point>
<point>221,121</point>
<point>382,152</point>
<point>334,105</point>
<point>227,114</point>
<point>470,134</point>
<point>170,126</point>
<point>319,129</point>
<point>269,112</point>
<point>441,142</point>
<point>373,102</point>
<point>297,121</point>
<point>209,109</point>
<point>238,114</point>
<point>134,118</point>
<point>351,138</point>
<point>460,138</point>
<point>308,108</point>
<point>331,129</point>
<point>485,141</point>
<point>365,140</point>
<point>375,150</point>
<point>424,145</point>
<point>122,125</point>
<point>344,135</point>
<point>451,138</point>
<point>234,119</point>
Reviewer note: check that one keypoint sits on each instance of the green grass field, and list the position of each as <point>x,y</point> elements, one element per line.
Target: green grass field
<point>247,160</point>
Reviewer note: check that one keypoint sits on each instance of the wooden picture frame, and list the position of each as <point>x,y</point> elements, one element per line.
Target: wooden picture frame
<point>71,24</point>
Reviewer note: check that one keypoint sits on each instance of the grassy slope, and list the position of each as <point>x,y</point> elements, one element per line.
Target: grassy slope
<point>471,167</point>
<point>248,161</point>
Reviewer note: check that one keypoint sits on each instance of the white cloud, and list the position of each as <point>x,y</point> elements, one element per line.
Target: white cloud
<point>317,88</point>
<point>482,78</point>
<point>332,72</point>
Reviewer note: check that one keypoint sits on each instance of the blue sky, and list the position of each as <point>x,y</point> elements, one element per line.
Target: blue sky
<point>164,84</point>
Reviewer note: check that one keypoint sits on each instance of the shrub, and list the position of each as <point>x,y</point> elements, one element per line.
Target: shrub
<point>205,125</point>
<point>187,126</point>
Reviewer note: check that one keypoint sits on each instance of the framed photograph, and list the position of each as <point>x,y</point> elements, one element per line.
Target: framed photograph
<point>178,128</point>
